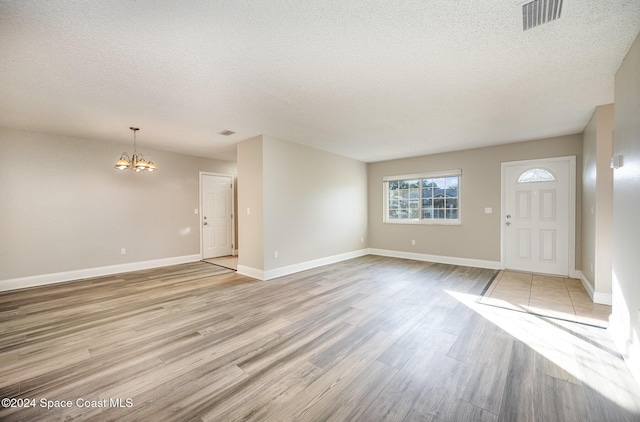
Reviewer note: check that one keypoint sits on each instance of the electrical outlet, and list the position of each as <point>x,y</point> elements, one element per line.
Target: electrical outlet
<point>123,251</point>
<point>413,242</point>
<point>275,254</point>
<point>362,240</point>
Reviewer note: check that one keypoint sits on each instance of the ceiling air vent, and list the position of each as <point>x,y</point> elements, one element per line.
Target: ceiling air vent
<point>538,12</point>
<point>226,132</point>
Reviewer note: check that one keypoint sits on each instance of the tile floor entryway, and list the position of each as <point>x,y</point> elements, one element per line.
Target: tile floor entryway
<point>550,296</point>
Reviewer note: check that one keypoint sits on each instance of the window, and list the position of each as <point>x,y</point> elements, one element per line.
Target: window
<point>427,198</point>
<point>536,175</point>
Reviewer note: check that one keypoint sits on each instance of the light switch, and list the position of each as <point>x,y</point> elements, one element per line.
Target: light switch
<point>488,210</point>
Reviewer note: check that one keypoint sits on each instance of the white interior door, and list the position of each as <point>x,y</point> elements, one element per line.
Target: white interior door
<point>536,205</point>
<point>217,218</point>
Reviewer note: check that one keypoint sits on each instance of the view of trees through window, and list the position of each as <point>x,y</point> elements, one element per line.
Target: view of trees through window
<point>424,199</point>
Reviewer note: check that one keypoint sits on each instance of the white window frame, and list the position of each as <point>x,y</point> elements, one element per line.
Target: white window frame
<point>430,221</point>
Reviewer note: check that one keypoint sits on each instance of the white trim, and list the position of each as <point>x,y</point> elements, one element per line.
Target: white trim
<point>301,266</point>
<point>44,279</point>
<point>426,221</point>
<point>465,262</point>
<point>596,297</point>
<point>233,213</point>
<point>572,207</point>
<point>429,175</point>
<point>308,265</point>
<point>250,272</point>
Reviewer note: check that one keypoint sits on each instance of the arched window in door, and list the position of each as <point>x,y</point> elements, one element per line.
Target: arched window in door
<point>536,175</point>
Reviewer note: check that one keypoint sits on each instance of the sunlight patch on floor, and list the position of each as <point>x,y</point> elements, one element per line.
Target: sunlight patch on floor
<point>596,362</point>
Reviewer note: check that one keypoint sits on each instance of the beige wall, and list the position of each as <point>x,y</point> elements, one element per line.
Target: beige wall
<point>250,209</point>
<point>597,201</point>
<point>626,205</point>
<point>479,235</point>
<point>64,207</point>
<point>315,203</point>
<point>306,204</point>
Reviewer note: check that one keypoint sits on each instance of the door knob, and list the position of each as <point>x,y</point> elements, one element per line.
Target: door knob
<point>205,223</point>
<point>508,223</point>
<point>508,216</point>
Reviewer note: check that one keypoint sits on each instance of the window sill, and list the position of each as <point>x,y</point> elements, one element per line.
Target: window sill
<point>425,222</point>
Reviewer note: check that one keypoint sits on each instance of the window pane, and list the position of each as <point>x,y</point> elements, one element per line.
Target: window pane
<point>428,198</point>
<point>452,182</point>
<point>536,175</point>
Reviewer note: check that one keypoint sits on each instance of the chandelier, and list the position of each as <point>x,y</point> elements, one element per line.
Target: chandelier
<point>137,161</point>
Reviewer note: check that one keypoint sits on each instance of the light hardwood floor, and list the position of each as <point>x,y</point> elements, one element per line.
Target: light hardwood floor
<point>367,339</point>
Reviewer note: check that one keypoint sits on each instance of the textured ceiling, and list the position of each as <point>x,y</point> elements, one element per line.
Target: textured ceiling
<point>371,80</point>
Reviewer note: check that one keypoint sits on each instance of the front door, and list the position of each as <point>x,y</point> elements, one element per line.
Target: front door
<point>217,221</point>
<point>536,207</point>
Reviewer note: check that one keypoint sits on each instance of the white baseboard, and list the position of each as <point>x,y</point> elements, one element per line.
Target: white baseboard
<point>307,265</point>
<point>296,268</point>
<point>596,297</point>
<point>465,262</point>
<point>250,272</point>
<point>43,279</point>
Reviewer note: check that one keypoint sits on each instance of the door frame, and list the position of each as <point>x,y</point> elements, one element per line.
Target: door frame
<point>571,159</point>
<point>233,214</point>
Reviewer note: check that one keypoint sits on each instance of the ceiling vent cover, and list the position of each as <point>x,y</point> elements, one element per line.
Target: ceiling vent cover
<point>538,12</point>
<point>226,132</point>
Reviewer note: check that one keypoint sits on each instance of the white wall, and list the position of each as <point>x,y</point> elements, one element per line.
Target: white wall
<point>314,207</point>
<point>65,208</point>
<point>597,203</point>
<point>624,323</point>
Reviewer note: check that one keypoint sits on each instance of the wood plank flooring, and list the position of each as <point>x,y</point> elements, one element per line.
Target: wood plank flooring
<point>369,339</point>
